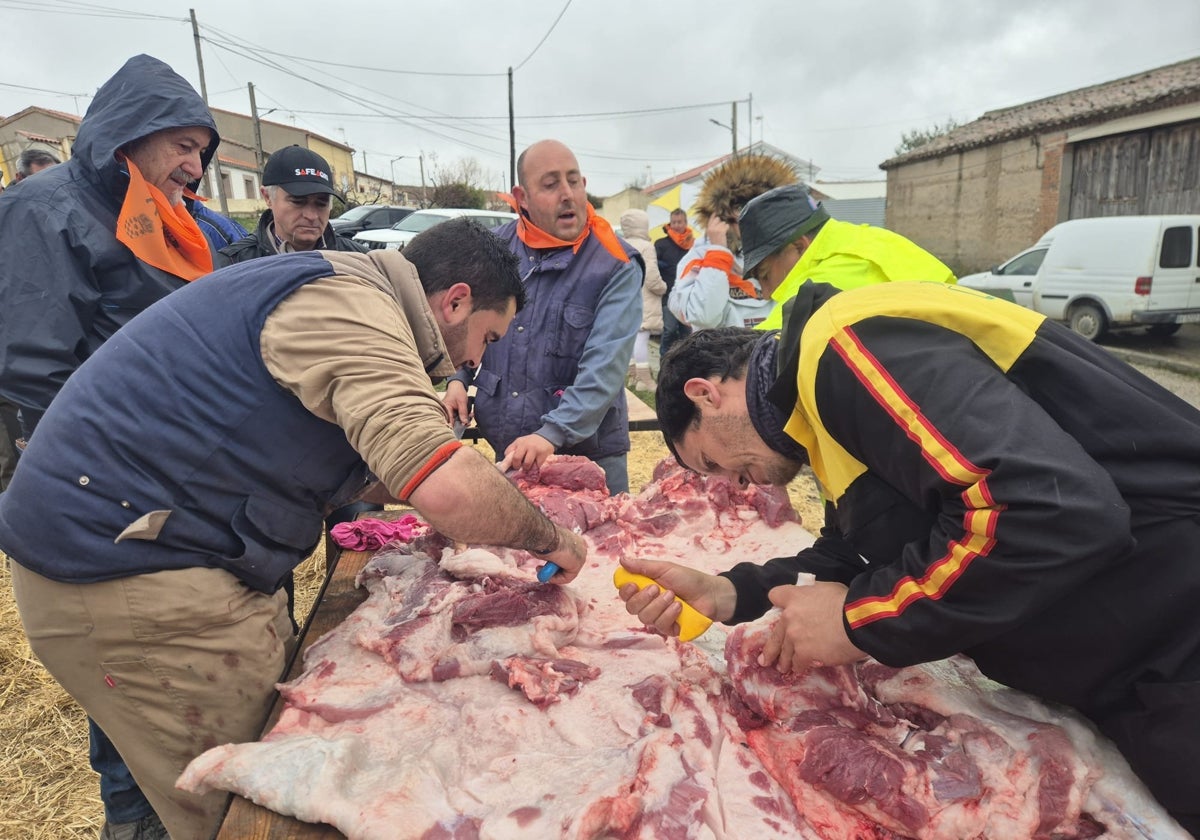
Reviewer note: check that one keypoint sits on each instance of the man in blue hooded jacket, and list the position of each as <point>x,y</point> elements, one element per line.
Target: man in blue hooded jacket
<point>86,246</point>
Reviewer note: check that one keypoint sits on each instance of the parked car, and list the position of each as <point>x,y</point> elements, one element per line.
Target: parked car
<point>368,217</point>
<point>1107,273</point>
<point>400,234</point>
<point>1011,280</point>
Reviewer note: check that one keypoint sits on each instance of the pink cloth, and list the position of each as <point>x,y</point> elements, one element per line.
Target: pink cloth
<point>370,534</point>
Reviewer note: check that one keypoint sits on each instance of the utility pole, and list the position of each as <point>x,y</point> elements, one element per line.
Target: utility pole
<point>424,197</point>
<point>216,161</point>
<point>733,125</point>
<point>258,149</point>
<point>750,120</point>
<point>512,136</point>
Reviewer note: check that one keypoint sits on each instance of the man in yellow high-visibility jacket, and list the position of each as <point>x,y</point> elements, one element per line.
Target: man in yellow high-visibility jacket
<point>788,238</point>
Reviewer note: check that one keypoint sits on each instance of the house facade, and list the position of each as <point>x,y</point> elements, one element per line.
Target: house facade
<point>55,131</point>
<point>988,189</point>
<point>860,202</point>
<point>35,128</point>
<point>683,189</point>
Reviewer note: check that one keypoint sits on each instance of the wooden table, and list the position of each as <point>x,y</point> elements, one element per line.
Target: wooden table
<point>641,416</point>
<point>337,599</point>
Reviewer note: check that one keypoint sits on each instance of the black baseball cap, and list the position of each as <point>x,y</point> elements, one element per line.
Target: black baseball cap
<point>775,218</point>
<point>299,171</point>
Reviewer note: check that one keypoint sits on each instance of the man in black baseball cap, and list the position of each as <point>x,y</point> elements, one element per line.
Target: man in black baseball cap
<point>788,237</point>
<point>298,188</point>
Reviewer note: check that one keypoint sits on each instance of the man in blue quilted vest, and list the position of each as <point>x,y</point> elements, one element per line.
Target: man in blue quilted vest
<point>187,464</point>
<point>556,382</point>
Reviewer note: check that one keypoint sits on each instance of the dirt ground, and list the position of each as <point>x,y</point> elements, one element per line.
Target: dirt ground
<point>48,791</point>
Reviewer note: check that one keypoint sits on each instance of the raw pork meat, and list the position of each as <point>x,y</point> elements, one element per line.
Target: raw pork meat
<point>464,700</point>
<point>932,752</point>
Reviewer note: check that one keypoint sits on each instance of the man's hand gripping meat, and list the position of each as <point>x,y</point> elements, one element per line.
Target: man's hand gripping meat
<point>809,630</point>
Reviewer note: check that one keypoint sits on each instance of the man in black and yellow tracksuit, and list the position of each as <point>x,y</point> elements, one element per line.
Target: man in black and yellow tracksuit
<point>995,485</point>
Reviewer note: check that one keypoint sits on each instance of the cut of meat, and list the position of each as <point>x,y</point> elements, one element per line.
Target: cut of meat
<point>463,699</point>
<point>928,752</point>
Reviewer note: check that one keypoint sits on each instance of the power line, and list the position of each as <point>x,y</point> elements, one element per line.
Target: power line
<point>403,118</point>
<point>309,60</point>
<point>392,71</point>
<point>630,113</point>
<point>83,10</point>
<point>544,37</point>
<point>44,90</point>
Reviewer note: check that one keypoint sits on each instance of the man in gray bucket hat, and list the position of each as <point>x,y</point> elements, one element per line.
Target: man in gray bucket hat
<point>788,237</point>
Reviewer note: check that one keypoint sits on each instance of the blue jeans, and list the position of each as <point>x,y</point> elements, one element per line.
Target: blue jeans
<point>123,800</point>
<point>616,472</point>
<point>672,330</point>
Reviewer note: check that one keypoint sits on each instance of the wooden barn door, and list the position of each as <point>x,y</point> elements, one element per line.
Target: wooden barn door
<point>1156,171</point>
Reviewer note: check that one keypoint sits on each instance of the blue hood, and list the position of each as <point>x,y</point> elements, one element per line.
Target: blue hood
<point>143,97</point>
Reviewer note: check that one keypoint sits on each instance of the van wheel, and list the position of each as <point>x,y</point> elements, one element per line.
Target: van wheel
<point>1088,320</point>
<point>1163,329</point>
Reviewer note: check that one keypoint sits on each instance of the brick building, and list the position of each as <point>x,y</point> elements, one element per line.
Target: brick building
<point>988,189</point>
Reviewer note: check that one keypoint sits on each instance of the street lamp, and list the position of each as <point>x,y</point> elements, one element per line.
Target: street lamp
<point>730,129</point>
<point>402,157</point>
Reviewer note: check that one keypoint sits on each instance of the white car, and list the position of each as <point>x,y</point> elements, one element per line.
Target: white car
<point>1013,280</point>
<point>401,233</point>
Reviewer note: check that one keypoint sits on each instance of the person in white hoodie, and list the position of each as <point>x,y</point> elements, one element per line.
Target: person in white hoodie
<point>710,290</point>
<point>635,229</point>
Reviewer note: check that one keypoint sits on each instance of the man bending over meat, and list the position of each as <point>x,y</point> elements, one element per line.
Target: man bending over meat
<point>184,470</point>
<point>995,486</point>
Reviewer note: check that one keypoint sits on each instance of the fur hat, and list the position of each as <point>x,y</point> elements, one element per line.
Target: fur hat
<point>730,186</point>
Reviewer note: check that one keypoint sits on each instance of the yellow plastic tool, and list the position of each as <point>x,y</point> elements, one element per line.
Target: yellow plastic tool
<point>691,622</point>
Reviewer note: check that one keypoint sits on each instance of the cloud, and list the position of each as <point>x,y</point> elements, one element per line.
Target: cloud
<point>837,83</point>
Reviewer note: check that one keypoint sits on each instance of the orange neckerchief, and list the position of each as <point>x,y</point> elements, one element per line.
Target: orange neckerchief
<point>160,235</point>
<point>739,287</point>
<point>536,238</point>
<point>684,240</point>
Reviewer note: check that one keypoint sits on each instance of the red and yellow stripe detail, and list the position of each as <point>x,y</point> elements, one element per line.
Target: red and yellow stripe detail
<point>982,512</point>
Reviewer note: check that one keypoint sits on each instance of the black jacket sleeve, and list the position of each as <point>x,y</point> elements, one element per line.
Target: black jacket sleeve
<point>1017,513</point>
<point>830,558</point>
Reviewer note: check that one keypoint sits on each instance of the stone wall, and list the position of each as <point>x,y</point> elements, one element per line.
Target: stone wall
<point>976,208</point>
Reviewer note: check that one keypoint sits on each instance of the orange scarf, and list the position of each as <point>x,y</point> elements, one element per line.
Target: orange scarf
<point>536,238</point>
<point>160,235</point>
<point>684,240</point>
<point>739,287</point>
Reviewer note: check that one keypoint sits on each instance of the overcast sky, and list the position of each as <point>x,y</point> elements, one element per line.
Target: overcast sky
<point>632,87</point>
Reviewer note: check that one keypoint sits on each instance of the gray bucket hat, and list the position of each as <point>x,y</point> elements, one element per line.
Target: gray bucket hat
<point>775,218</point>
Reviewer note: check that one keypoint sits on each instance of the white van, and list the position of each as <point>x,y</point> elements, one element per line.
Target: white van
<point>1108,273</point>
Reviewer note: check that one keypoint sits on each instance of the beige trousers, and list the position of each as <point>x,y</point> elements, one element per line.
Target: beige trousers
<point>168,664</point>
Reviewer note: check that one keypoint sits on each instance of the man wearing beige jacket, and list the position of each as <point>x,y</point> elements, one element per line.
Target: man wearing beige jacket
<point>269,394</point>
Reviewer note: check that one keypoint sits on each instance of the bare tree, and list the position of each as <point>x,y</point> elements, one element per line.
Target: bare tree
<point>918,137</point>
<point>460,184</point>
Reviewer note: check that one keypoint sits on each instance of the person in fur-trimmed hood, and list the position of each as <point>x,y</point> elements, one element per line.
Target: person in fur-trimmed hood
<point>710,290</point>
